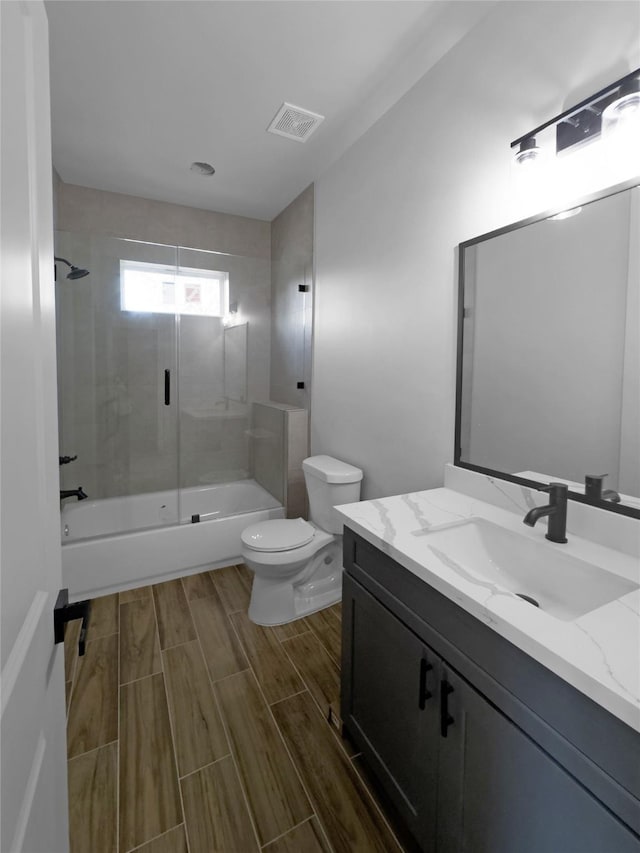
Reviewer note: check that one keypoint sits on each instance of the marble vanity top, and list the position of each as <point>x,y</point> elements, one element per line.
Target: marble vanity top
<point>598,653</point>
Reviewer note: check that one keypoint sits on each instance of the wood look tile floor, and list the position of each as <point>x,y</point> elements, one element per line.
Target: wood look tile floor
<point>192,730</point>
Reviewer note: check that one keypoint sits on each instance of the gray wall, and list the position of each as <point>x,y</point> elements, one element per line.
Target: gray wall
<point>432,172</point>
<point>292,265</point>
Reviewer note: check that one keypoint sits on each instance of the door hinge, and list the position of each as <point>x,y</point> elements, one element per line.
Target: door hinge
<point>64,612</point>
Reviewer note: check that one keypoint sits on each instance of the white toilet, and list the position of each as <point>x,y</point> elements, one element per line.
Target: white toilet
<point>297,563</point>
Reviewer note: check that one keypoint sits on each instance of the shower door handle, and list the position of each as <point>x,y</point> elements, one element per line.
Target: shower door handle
<point>167,387</point>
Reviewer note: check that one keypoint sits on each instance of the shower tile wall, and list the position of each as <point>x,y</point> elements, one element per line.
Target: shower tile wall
<point>280,432</point>
<point>87,211</point>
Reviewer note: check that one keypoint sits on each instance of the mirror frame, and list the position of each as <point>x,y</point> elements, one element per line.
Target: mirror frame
<point>512,478</point>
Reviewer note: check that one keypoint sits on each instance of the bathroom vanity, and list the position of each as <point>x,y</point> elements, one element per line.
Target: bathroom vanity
<point>492,725</point>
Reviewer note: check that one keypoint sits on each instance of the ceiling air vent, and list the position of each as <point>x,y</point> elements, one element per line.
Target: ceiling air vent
<point>294,122</point>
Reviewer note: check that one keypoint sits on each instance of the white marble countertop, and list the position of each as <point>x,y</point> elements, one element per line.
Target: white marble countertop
<point>598,653</point>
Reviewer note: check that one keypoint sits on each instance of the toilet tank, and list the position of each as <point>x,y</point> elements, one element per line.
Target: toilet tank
<point>330,482</point>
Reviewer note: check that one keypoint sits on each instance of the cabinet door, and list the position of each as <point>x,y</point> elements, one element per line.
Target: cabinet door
<point>390,706</point>
<point>500,793</point>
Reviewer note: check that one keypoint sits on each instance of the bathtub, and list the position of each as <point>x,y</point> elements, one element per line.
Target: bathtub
<point>163,541</point>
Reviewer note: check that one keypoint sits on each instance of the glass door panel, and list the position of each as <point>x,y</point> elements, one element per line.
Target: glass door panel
<point>223,367</point>
<point>117,357</point>
<point>213,415</point>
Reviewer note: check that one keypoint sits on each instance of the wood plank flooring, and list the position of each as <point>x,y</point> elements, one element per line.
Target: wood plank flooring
<point>192,730</point>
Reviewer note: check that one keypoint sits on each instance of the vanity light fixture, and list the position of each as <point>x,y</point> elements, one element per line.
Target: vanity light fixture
<point>613,107</point>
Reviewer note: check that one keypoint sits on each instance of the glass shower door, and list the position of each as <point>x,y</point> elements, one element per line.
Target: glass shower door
<point>212,378</point>
<point>223,368</point>
<point>117,360</point>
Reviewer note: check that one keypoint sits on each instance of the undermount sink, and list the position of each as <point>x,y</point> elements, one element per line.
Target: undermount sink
<point>497,558</point>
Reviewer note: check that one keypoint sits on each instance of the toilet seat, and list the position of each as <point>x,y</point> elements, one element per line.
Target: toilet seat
<point>284,534</point>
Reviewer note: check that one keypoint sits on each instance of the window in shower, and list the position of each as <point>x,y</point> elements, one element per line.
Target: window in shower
<point>159,289</point>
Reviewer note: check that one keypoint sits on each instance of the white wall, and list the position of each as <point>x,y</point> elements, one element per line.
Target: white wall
<point>432,172</point>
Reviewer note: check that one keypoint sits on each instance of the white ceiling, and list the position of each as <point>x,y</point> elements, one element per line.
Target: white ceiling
<point>140,90</point>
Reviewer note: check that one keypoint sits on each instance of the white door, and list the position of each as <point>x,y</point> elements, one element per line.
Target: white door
<point>33,741</point>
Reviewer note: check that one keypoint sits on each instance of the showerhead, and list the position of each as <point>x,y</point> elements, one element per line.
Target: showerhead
<point>75,272</point>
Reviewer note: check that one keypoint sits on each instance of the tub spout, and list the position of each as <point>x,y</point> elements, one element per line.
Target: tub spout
<point>73,493</point>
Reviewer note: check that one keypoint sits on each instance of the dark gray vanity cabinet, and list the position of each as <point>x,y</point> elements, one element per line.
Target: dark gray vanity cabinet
<point>393,709</point>
<point>461,773</point>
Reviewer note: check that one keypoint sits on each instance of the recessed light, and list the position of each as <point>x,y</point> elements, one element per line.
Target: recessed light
<point>205,169</point>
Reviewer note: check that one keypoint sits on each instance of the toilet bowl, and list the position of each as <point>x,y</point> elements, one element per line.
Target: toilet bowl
<point>298,564</point>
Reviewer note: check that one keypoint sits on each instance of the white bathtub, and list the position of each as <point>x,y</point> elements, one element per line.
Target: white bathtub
<point>97,558</point>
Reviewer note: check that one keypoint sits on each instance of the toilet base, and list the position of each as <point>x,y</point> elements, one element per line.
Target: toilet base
<point>318,585</point>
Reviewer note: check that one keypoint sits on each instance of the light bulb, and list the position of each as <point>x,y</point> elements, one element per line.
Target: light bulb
<point>528,153</point>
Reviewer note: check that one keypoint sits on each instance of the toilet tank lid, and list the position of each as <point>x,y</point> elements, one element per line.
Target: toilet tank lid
<point>331,470</point>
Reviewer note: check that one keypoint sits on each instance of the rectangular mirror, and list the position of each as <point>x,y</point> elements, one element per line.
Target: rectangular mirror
<point>549,350</point>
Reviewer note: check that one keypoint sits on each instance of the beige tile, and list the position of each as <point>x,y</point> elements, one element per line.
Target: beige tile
<point>197,728</point>
<point>246,574</point>
<point>276,797</point>
<point>215,811</point>
<point>92,781</point>
<point>139,648</point>
<point>103,618</point>
<point>327,626</point>
<point>149,799</point>
<point>306,838</point>
<point>346,812</point>
<point>173,841</point>
<point>198,586</point>
<point>232,589</point>
<point>222,651</point>
<point>93,712</point>
<point>175,625</point>
<point>272,667</point>
<point>318,670</point>
<point>291,629</point>
<point>134,594</point>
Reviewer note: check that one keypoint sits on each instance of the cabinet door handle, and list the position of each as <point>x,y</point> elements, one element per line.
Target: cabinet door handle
<point>446,719</point>
<point>167,387</point>
<point>424,693</point>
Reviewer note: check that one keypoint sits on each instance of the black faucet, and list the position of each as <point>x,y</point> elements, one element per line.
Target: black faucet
<point>73,493</point>
<point>556,509</point>
<point>593,489</point>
